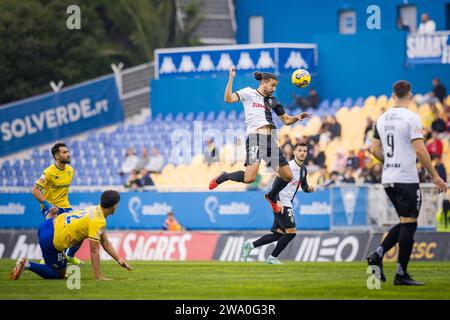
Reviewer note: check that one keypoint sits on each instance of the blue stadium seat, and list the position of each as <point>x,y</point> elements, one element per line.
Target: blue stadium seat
<point>242,115</point>
<point>232,115</point>
<point>179,117</point>
<point>158,117</point>
<point>211,116</point>
<point>325,104</point>
<point>200,116</point>
<point>348,103</point>
<point>168,117</point>
<point>221,115</point>
<point>189,117</point>
<point>336,103</point>
<point>359,102</point>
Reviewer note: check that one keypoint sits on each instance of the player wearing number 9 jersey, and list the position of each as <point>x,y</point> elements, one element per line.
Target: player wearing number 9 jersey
<point>57,234</point>
<point>398,142</point>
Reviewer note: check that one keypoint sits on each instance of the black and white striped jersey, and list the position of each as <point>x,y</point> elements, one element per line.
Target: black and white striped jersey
<point>299,179</point>
<point>258,109</point>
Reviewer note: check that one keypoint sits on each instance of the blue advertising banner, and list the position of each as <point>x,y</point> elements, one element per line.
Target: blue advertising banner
<point>50,117</point>
<point>207,60</point>
<point>195,211</point>
<point>349,206</point>
<point>428,48</point>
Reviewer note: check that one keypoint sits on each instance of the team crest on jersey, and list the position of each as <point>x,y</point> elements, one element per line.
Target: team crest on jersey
<point>270,101</point>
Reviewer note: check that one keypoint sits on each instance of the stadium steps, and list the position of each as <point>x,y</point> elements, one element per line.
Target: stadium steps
<point>217,25</point>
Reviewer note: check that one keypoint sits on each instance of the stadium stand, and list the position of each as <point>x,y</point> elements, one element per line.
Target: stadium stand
<point>97,159</point>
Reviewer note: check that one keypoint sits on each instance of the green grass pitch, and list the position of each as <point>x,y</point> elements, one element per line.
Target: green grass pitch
<point>227,280</point>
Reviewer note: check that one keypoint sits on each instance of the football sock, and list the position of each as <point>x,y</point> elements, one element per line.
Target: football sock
<point>282,243</point>
<point>277,186</point>
<point>389,241</point>
<point>405,242</point>
<point>237,176</point>
<point>266,239</point>
<point>43,270</point>
<point>72,250</point>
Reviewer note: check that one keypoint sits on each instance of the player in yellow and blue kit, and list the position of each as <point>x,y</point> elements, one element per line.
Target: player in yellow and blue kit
<point>52,190</point>
<point>57,234</point>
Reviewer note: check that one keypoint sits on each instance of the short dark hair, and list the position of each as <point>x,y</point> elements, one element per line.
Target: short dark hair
<point>264,76</point>
<point>55,148</point>
<point>401,88</point>
<point>301,144</point>
<point>109,199</point>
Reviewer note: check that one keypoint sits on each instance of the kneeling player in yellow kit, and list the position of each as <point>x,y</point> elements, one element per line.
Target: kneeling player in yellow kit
<point>57,234</point>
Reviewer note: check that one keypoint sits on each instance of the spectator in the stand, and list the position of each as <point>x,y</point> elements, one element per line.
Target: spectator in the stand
<point>427,25</point>
<point>447,118</point>
<point>438,123</point>
<point>145,179</point>
<point>375,173</point>
<point>364,176</point>
<point>318,156</point>
<point>323,176</point>
<point>439,91</point>
<point>287,140</point>
<point>288,151</point>
<point>210,153</point>
<point>437,94</point>
<point>143,160</point>
<point>335,179</point>
<point>435,146</point>
<point>130,162</point>
<point>368,132</point>
<point>440,168</point>
<point>340,162</point>
<point>311,101</point>
<point>156,162</point>
<point>133,182</point>
<point>362,157</point>
<point>348,176</point>
<point>334,128</point>
<point>171,224</point>
<point>352,160</point>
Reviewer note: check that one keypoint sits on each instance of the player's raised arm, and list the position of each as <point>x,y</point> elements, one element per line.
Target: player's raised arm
<point>231,96</point>
<point>108,247</point>
<point>288,120</point>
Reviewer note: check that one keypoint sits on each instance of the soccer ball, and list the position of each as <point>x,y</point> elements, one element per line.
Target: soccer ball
<point>301,78</point>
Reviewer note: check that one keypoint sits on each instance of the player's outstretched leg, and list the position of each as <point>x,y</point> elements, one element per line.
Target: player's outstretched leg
<point>249,246</point>
<point>237,176</point>
<point>278,185</point>
<point>376,257</point>
<point>281,245</point>
<point>18,269</point>
<point>405,243</point>
<point>42,270</point>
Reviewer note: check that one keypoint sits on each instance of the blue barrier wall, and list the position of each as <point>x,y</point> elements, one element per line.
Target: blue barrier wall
<point>54,116</point>
<point>195,211</point>
<point>362,64</point>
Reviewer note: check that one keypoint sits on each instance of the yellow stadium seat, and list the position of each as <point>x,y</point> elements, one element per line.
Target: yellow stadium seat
<point>370,101</point>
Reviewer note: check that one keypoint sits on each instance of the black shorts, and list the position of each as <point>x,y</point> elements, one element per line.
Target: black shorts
<point>264,147</point>
<point>406,198</point>
<point>283,220</point>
